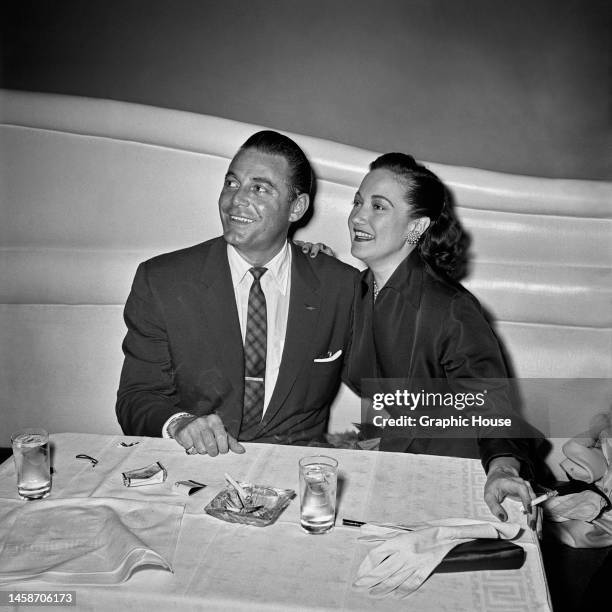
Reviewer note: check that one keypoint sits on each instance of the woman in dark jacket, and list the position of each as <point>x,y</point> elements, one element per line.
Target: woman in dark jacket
<point>417,328</point>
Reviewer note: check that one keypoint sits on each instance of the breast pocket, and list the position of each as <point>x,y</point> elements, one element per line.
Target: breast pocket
<point>323,383</point>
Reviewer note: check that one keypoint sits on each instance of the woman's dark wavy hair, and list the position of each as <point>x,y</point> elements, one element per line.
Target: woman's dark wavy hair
<point>445,244</point>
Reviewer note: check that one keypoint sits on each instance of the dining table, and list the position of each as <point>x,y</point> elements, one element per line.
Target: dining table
<point>216,565</point>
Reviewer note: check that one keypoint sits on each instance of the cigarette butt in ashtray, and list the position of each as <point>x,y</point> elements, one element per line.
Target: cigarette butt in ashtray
<point>242,494</point>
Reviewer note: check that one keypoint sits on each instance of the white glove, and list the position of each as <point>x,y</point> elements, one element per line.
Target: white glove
<point>405,559</point>
<point>573,518</point>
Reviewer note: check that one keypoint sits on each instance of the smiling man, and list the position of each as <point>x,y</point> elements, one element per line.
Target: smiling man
<point>242,337</point>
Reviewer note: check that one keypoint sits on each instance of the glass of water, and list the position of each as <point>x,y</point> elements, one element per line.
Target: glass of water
<point>31,455</point>
<point>318,480</point>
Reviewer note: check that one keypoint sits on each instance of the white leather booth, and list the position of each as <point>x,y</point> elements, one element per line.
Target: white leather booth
<point>91,187</point>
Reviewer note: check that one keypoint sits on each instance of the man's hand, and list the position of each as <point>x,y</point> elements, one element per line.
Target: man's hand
<point>204,435</point>
<point>503,480</point>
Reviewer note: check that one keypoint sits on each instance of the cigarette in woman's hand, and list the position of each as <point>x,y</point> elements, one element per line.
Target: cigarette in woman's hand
<point>542,498</point>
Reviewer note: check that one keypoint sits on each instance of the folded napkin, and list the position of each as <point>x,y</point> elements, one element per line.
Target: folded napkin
<point>85,540</point>
<point>405,559</point>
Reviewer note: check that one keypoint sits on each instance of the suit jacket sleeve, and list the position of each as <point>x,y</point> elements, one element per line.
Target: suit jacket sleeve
<point>351,382</point>
<point>147,395</point>
<point>473,361</point>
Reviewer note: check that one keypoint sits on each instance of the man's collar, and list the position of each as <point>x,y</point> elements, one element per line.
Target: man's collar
<point>279,267</point>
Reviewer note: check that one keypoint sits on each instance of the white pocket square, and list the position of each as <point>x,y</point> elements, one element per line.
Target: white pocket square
<point>329,357</point>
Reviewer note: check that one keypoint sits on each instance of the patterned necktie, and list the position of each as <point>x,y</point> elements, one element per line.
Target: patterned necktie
<point>255,354</point>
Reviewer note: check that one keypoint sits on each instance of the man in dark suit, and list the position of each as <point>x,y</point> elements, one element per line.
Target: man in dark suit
<point>192,318</point>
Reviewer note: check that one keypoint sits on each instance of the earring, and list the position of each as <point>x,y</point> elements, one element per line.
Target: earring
<point>413,237</point>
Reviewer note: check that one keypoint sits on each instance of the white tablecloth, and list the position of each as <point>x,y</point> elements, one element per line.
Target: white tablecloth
<point>220,566</point>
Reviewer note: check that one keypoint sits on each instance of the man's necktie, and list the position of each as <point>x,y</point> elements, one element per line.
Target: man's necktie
<point>255,342</point>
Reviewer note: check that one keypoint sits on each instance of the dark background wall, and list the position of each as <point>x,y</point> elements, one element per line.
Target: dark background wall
<point>521,86</point>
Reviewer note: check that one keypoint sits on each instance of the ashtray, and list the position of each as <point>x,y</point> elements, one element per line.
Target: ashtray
<point>258,505</point>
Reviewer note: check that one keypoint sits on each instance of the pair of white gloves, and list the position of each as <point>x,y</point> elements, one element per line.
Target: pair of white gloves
<point>408,554</point>
<point>581,519</point>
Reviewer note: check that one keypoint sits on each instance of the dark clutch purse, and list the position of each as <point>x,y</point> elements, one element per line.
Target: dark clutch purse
<point>482,554</point>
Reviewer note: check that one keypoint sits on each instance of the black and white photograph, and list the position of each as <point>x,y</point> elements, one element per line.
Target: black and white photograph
<point>306,305</point>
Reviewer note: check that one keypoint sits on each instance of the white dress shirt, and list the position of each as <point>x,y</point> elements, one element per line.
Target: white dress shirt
<point>276,286</point>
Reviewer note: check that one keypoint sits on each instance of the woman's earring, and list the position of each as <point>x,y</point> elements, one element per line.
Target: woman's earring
<point>413,237</point>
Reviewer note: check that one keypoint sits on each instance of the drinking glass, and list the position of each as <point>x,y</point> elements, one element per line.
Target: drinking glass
<point>318,480</point>
<point>31,455</point>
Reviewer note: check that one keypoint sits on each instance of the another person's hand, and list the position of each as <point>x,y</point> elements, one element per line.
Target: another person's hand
<point>205,435</point>
<point>503,480</point>
<point>314,248</point>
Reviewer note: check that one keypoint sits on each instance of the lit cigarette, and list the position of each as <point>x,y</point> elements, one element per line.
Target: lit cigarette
<point>543,498</point>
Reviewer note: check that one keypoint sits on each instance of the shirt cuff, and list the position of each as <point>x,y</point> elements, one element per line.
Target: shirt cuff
<point>174,417</point>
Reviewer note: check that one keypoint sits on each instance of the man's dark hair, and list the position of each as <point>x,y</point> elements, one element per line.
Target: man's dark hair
<point>273,143</point>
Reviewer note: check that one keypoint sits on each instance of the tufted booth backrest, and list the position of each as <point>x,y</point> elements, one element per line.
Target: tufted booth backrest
<point>91,187</point>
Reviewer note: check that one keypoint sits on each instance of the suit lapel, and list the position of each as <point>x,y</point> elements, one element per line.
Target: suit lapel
<point>304,309</point>
<point>399,306</point>
<point>405,308</point>
<point>412,291</point>
<point>219,308</point>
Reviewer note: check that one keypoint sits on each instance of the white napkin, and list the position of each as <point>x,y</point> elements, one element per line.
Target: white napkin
<point>405,559</point>
<point>85,540</point>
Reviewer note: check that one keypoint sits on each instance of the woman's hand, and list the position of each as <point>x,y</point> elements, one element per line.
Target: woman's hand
<point>314,248</point>
<point>503,480</point>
